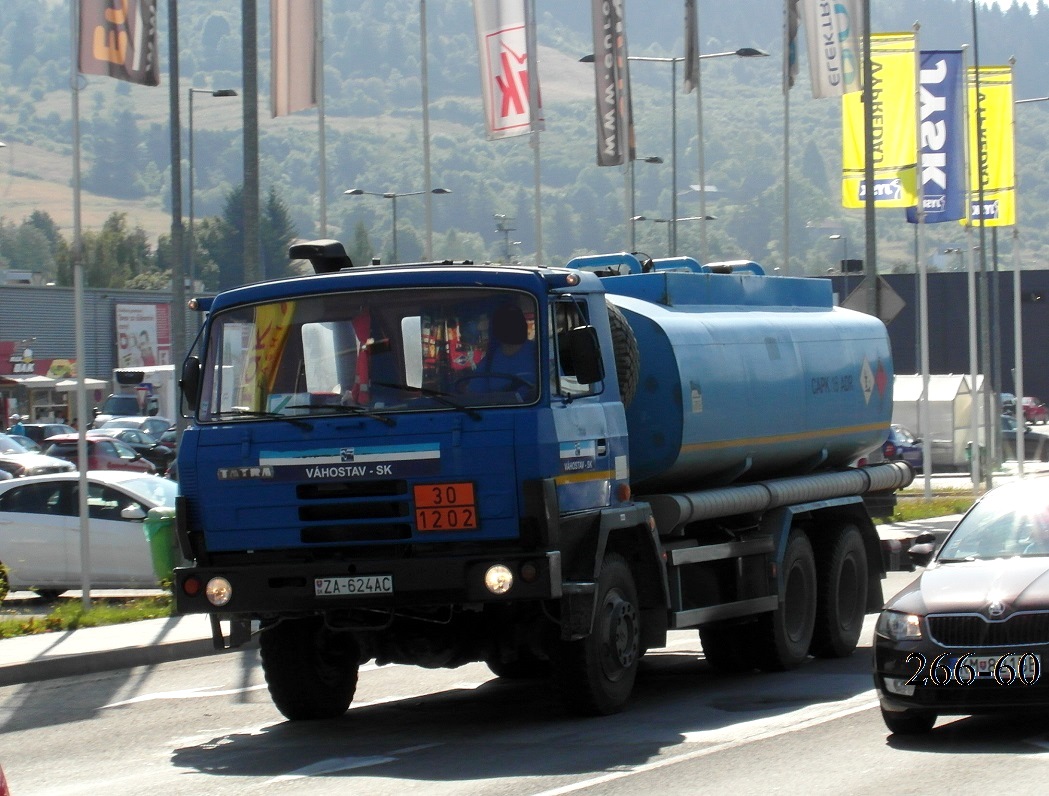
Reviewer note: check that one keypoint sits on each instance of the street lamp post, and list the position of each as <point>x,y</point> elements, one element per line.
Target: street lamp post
<point>393,196</point>
<point>672,224</point>
<point>633,195</point>
<point>844,262</point>
<point>222,92</point>
<point>742,52</point>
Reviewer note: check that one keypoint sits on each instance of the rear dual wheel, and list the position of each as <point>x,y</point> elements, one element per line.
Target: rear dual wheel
<point>842,598</point>
<point>782,637</point>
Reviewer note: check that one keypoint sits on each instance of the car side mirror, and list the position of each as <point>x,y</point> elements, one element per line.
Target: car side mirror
<point>921,550</point>
<point>190,381</point>
<point>132,513</point>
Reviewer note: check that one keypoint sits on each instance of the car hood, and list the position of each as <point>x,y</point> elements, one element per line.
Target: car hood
<point>1019,584</point>
<point>36,460</point>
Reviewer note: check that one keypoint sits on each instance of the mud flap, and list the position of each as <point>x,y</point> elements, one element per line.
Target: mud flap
<point>577,609</point>
<point>239,633</point>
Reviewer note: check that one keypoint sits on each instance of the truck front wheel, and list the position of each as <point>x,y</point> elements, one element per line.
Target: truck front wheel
<point>311,671</point>
<point>784,636</point>
<point>595,675</point>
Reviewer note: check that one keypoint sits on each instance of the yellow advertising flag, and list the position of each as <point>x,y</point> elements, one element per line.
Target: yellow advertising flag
<point>894,67</point>
<point>995,161</point>
<point>272,324</point>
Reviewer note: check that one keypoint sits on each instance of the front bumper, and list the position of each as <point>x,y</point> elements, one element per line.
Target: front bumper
<point>904,680</point>
<point>260,589</point>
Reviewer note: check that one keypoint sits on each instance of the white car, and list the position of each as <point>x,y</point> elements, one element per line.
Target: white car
<point>40,530</point>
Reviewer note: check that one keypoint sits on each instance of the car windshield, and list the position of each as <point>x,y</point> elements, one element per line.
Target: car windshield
<point>8,445</point>
<point>1010,521</point>
<point>153,488</point>
<point>372,353</point>
<point>121,405</point>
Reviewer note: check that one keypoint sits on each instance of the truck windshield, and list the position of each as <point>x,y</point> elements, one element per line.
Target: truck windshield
<point>371,353</point>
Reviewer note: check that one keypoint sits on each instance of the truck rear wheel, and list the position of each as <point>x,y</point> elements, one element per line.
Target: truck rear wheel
<point>311,671</point>
<point>842,601</point>
<point>728,648</point>
<point>783,637</point>
<point>595,675</point>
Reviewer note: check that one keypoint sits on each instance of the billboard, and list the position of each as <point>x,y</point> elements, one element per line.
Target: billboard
<point>143,335</point>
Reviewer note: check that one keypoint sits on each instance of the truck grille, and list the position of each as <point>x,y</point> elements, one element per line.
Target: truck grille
<point>973,630</point>
<point>369,511</point>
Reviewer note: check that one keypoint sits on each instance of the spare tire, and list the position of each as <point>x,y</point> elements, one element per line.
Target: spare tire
<point>628,357</point>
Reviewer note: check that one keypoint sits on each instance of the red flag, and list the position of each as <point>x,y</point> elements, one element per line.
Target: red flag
<point>293,39</point>
<point>118,38</point>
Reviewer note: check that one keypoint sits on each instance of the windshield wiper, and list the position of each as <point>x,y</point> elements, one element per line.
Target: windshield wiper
<point>295,421</point>
<point>343,409</point>
<point>437,395</point>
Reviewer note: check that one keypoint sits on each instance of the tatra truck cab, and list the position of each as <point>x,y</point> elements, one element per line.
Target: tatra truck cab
<point>545,469</point>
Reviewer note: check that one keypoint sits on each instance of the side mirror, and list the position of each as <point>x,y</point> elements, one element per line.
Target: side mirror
<point>132,513</point>
<point>585,352</point>
<point>190,381</point>
<point>922,550</point>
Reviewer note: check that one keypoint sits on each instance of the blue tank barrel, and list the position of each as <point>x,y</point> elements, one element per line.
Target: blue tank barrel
<point>745,377</point>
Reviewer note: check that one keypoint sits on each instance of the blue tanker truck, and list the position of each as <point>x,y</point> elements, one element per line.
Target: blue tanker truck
<point>545,469</point>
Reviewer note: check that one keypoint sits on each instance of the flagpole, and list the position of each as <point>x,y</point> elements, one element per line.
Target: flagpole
<point>318,73</point>
<point>77,256</point>
<point>923,288</point>
<point>427,186</point>
<point>786,138</point>
<point>985,310</point>
<point>533,116</point>
<point>871,242</point>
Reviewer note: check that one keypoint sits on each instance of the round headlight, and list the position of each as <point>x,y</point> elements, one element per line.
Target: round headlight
<point>498,579</point>
<point>219,592</point>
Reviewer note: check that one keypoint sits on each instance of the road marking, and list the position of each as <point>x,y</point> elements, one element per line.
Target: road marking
<point>188,693</point>
<point>737,735</point>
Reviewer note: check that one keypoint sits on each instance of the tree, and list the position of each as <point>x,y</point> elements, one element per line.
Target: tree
<point>276,232</point>
<point>221,241</point>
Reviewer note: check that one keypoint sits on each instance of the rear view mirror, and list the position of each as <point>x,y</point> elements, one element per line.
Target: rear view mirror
<point>190,381</point>
<point>585,354</point>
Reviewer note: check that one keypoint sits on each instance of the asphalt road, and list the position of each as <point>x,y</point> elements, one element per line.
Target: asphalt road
<point>207,726</point>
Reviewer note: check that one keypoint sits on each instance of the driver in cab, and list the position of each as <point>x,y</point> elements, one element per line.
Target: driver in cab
<point>509,365</point>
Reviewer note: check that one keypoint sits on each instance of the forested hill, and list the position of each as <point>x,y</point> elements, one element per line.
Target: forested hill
<point>374,131</point>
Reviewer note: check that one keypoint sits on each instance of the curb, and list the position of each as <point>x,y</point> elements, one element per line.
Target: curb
<point>105,660</point>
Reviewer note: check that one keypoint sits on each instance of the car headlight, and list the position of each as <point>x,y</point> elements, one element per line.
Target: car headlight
<point>898,626</point>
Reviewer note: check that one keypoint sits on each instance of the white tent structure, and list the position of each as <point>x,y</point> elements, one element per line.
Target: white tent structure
<point>949,426</point>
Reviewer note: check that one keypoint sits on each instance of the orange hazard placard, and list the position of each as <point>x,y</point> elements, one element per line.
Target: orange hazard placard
<point>445,507</point>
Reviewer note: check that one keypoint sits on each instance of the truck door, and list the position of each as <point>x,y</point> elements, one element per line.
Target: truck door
<point>587,448</point>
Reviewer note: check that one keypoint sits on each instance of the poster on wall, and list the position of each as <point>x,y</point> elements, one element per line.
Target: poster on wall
<point>143,335</point>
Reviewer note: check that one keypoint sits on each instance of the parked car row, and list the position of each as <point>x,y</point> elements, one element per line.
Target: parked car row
<point>1035,411</point>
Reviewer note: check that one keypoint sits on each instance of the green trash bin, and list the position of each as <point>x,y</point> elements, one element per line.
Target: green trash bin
<point>159,528</point>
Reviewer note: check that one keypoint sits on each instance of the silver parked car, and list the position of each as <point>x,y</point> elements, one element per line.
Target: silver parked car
<point>18,461</point>
<point>40,530</point>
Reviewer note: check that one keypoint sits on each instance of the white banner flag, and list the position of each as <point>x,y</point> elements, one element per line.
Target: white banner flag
<point>506,67</point>
<point>834,33</point>
<point>293,37</point>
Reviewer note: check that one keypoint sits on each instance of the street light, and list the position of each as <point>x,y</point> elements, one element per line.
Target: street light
<point>672,224</point>
<point>222,92</point>
<point>648,159</point>
<point>393,196</point>
<point>742,52</point>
